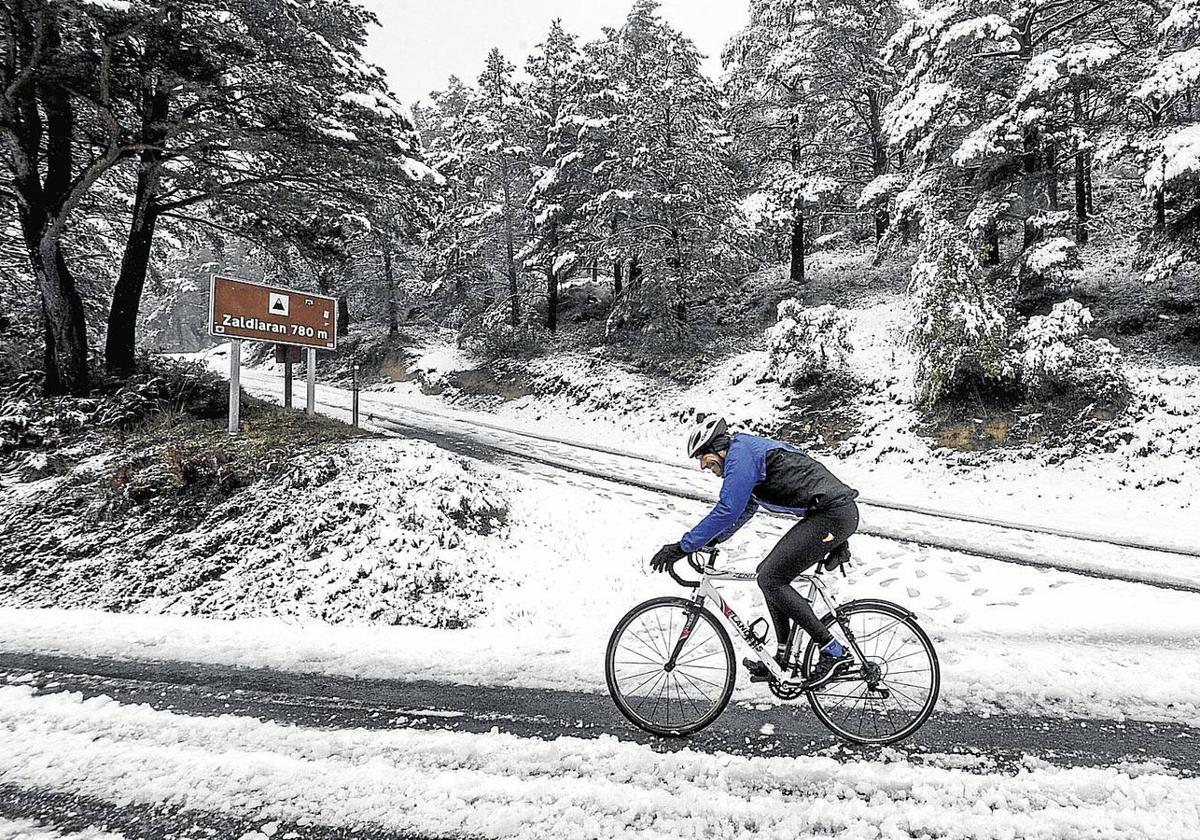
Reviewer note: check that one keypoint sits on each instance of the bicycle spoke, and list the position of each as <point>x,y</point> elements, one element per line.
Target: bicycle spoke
<point>646,696</point>
<point>698,658</point>
<point>661,657</point>
<point>645,659</point>
<point>639,674</point>
<point>643,682</point>
<point>698,688</point>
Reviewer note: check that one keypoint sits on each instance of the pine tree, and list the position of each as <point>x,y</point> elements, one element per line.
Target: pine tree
<point>989,108</point>
<point>1165,137</point>
<point>553,72</point>
<point>647,139</point>
<point>808,90</point>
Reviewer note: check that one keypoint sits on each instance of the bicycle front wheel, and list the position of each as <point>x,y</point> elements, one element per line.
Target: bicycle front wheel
<point>655,695</point>
<point>894,686</point>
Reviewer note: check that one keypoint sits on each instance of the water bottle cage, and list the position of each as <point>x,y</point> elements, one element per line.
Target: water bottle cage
<point>759,636</point>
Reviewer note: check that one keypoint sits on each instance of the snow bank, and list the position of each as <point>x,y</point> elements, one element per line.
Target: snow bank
<point>390,532</point>
<point>30,830</point>
<point>496,785</point>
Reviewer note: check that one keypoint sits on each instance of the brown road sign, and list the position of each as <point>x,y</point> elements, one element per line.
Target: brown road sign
<point>240,309</point>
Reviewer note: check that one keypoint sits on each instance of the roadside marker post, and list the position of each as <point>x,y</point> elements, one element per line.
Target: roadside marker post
<point>310,371</point>
<point>235,385</point>
<point>354,380</point>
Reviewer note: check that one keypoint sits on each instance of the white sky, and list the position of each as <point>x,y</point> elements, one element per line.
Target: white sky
<point>421,43</point>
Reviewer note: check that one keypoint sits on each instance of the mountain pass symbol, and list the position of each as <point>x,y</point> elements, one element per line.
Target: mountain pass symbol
<point>278,304</point>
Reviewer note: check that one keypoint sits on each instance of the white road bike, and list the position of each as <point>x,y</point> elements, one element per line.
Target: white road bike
<point>670,661</point>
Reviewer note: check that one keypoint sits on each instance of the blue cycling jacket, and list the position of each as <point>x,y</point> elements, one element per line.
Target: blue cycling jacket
<point>767,473</point>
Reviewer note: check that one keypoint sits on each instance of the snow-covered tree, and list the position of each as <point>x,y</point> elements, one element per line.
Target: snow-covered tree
<point>806,342</point>
<point>960,332</point>
<point>807,90</point>
<point>1054,355</point>
<point>646,138</point>
<point>553,71</point>
<point>990,107</point>
<point>214,98</point>
<point>1167,139</point>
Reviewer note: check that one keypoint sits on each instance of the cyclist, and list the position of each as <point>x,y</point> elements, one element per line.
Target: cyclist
<point>758,471</point>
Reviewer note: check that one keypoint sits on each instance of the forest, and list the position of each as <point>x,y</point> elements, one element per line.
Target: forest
<point>999,152</point>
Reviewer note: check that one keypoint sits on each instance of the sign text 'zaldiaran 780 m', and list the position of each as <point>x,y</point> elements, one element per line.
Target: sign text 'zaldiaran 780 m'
<point>240,309</point>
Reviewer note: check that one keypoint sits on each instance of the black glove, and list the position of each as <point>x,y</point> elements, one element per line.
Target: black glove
<point>666,557</point>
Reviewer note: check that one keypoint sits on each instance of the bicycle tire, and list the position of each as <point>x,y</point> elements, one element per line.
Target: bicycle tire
<point>624,695</point>
<point>824,699</point>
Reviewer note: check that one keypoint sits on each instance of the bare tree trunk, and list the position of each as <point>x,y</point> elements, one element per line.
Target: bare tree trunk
<point>1052,176</point>
<point>796,267</point>
<point>121,337</point>
<point>879,161</point>
<point>66,354</point>
<point>618,265</point>
<point>1031,164</point>
<point>120,340</point>
<point>991,245</point>
<point>552,282</point>
<point>385,243</point>
<point>1081,198</point>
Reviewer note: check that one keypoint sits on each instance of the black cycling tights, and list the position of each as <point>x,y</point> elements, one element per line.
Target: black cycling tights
<point>806,543</point>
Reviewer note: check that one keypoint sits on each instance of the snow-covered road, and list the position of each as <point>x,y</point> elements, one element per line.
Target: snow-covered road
<point>471,435</point>
<point>494,784</point>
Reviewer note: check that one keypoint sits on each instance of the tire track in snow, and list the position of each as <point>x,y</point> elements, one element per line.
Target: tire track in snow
<point>783,730</point>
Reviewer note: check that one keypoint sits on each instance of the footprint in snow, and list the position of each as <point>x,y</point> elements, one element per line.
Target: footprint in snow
<point>913,592</point>
<point>1026,590</point>
<point>895,565</point>
<point>888,582</point>
<point>979,591</point>
<point>961,617</point>
<point>1059,583</point>
<point>920,573</point>
<point>871,571</point>
<point>961,577</point>
<point>941,604</point>
<point>1002,603</point>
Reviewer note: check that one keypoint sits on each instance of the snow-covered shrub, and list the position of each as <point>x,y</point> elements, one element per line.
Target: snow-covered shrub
<point>805,343</point>
<point>1051,260</point>
<point>961,326</point>
<point>1054,356</point>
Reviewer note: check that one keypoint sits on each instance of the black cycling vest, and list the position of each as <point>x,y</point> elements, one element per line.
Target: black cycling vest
<point>795,480</point>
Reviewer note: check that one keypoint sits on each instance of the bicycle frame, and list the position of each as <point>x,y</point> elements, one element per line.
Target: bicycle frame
<point>706,590</point>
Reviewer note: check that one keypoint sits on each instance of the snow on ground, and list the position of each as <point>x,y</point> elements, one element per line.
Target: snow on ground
<point>1144,489</point>
<point>570,562</point>
<point>498,785</point>
<point>30,830</point>
<point>391,532</point>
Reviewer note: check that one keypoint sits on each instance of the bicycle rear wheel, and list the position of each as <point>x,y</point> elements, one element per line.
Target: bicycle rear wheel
<point>688,696</point>
<point>893,690</point>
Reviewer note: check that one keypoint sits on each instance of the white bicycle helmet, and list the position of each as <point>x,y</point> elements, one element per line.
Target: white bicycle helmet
<point>702,434</point>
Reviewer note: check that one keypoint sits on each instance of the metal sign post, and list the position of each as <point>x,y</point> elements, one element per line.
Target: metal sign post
<point>240,310</point>
<point>235,385</point>
<point>310,369</point>
<point>288,355</point>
